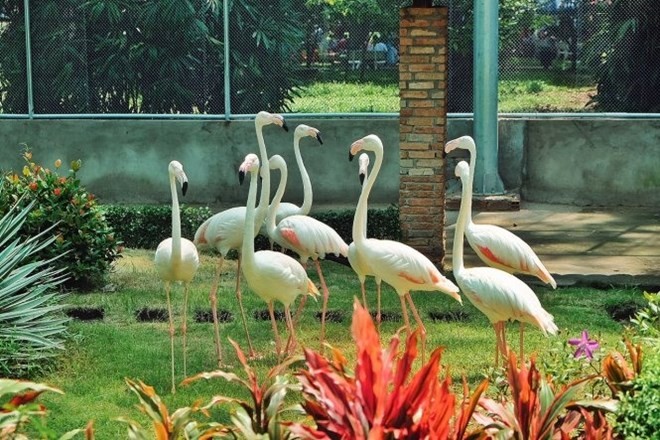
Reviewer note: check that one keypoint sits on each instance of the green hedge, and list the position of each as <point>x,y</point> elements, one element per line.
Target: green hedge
<point>144,226</point>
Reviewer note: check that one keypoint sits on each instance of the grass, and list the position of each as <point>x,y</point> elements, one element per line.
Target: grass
<point>102,353</point>
<point>527,88</point>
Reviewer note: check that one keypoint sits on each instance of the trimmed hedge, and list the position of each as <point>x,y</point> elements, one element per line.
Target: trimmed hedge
<point>144,226</point>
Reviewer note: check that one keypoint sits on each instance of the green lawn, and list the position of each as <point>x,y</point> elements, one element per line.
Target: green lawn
<point>102,353</point>
<point>527,89</point>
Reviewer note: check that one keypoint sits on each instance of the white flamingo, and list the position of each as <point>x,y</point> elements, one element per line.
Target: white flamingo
<point>360,264</point>
<point>496,293</point>
<point>176,260</point>
<point>399,265</point>
<point>271,275</point>
<point>496,246</point>
<point>304,235</point>
<point>224,231</point>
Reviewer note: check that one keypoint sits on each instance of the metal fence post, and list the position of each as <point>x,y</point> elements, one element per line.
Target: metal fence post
<point>486,35</point>
<point>28,59</point>
<point>227,70</point>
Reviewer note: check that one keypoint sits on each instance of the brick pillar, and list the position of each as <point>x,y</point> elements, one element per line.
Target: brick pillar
<point>422,83</point>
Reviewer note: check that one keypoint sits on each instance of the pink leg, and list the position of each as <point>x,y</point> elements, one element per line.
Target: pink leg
<point>301,306</point>
<point>378,317</point>
<point>291,344</point>
<point>405,314</point>
<point>326,294</point>
<point>184,329</point>
<point>364,295</point>
<point>169,312</point>
<point>420,324</point>
<point>240,305</point>
<point>213,299</point>
<point>271,310</point>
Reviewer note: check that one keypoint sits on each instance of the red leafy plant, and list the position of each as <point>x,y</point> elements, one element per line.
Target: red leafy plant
<point>618,373</point>
<point>382,398</point>
<point>535,411</point>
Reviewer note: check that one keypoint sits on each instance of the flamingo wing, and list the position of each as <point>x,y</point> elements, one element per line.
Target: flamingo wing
<point>404,267</point>
<point>224,230</point>
<point>504,250</point>
<point>502,297</point>
<point>277,276</point>
<point>310,237</point>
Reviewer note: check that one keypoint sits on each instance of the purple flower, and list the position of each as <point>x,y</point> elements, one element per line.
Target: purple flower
<point>585,346</point>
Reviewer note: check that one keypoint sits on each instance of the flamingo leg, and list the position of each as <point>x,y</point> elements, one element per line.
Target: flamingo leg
<point>420,324</point>
<point>378,316</point>
<point>240,305</point>
<point>171,319</point>
<point>497,344</point>
<point>301,306</point>
<point>271,310</point>
<point>522,352</point>
<point>291,343</point>
<point>184,329</point>
<point>326,294</point>
<point>405,314</point>
<point>364,295</point>
<point>213,299</point>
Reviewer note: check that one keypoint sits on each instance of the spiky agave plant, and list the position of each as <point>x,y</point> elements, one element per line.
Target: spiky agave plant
<point>32,325</point>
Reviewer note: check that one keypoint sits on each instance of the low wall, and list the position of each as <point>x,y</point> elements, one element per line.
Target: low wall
<point>581,162</point>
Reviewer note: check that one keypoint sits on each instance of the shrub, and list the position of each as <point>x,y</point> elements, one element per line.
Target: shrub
<point>144,226</point>
<point>85,242</point>
<point>639,415</point>
<point>32,324</point>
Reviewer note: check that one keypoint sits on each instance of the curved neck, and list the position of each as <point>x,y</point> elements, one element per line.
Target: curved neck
<point>265,177</point>
<point>461,222</point>
<point>307,183</point>
<point>275,204</point>
<point>247,250</point>
<point>176,222</point>
<point>360,218</point>
<point>472,149</point>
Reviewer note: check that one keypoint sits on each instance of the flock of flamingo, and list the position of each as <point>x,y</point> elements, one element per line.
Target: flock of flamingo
<point>275,276</point>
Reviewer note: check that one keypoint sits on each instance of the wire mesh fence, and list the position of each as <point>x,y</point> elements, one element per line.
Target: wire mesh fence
<point>311,56</point>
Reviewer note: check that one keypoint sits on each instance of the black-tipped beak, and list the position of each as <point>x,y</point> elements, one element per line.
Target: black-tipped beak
<point>241,177</point>
<point>318,138</point>
<point>350,156</point>
<point>361,178</point>
<point>184,188</point>
<point>284,126</point>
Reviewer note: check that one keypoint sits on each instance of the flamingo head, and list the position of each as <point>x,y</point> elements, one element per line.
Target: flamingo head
<point>266,118</point>
<point>276,162</point>
<point>462,170</point>
<point>463,142</point>
<point>370,142</point>
<point>176,171</point>
<point>364,166</point>
<point>249,165</point>
<point>303,130</point>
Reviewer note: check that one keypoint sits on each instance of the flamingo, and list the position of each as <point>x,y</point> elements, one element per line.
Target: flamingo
<point>496,293</point>
<point>271,275</point>
<point>357,261</point>
<point>176,260</point>
<point>224,231</point>
<point>399,265</point>
<point>496,246</point>
<point>306,236</point>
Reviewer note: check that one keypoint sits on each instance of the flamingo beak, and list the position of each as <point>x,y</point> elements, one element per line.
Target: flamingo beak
<point>318,138</point>
<point>284,126</point>
<point>184,187</point>
<point>241,176</point>
<point>451,146</point>
<point>361,178</point>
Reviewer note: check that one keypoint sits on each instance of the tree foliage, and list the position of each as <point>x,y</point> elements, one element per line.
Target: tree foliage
<point>120,56</point>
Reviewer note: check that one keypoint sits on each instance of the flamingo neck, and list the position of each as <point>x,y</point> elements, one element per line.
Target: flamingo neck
<point>275,204</point>
<point>262,209</point>
<point>360,218</point>
<point>307,183</point>
<point>247,250</point>
<point>472,149</point>
<point>176,222</point>
<point>461,222</point>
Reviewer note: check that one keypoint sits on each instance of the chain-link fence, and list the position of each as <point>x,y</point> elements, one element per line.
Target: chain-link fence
<point>123,57</point>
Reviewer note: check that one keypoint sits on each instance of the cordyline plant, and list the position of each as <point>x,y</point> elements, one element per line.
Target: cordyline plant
<point>19,409</point>
<point>382,398</point>
<point>537,412</point>
<point>618,374</point>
